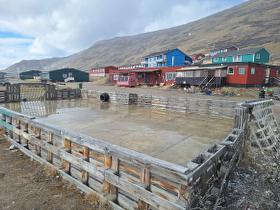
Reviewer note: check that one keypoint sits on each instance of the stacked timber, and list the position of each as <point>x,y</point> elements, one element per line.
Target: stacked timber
<point>218,108</point>
<point>2,96</point>
<point>13,93</point>
<point>68,94</point>
<point>145,100</point>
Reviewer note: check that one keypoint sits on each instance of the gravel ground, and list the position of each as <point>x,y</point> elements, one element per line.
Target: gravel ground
<point>27,185</point>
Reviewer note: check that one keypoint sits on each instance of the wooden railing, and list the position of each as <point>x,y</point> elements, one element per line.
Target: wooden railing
<point>128,179</point>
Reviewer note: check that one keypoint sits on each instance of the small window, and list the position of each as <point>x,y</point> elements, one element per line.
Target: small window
<point>170,76</point>
<point>115,77</point>
<point>258,56</point>
<point>241,71</point>
<point>224,59</point>
<point>230,71</point>
<point>253,71</point>
<point>216,59</point>
<point>237,58</point>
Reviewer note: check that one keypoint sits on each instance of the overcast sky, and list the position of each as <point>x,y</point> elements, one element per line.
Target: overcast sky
<point>35,29</point>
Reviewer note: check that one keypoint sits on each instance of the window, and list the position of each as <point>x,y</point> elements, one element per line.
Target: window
<point>216,59</point>
<point>159,64</point>
<point>140,76</point>
<point>258,56</point>
<point>230,71</point>
<point>241,71</point>
<point>224,59</point>
<point>237,58</point>
<point>170,76</point>
<point>159,57</point>
<point>253,71</point>
<point>115,77</point>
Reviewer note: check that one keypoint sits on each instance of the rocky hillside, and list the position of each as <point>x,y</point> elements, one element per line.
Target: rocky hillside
<point>253,23</point>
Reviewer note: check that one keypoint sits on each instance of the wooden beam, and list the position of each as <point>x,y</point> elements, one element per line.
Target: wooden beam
<point>50,141</point>
<point>107,165</point>
<point>85,174</point>
<point>145,179</point>
<point>66,165</point>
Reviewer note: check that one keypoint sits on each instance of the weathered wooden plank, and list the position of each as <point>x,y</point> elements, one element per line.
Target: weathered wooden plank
<point>139,192</point>
<point>84,165</point>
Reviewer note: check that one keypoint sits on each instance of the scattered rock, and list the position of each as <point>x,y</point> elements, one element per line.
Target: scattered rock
<point>2,175</point>
<point>12,147</point>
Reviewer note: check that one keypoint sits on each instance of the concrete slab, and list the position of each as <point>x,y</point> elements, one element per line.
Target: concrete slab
<point>170,136</point>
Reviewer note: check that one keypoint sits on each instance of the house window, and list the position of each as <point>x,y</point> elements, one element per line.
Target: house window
<point>224,59</point>
<point>253,71</point>
<point>216,59</point>
<point>140,76</point>
<point>159,57</point>
<point>237,58</point>
<point>170,76</point>
<point>230,71</point>
<point>258,56</point>
<point>115,77</point>
<point>241,71</point>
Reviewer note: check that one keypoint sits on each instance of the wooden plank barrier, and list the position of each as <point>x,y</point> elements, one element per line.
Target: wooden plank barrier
<point>211,107</point>
<point>129,179</point>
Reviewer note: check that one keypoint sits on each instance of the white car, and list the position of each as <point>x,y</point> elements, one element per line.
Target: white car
<point>69,79</point>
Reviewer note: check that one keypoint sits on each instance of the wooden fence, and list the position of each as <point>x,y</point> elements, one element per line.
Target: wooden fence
<point>68,93</point>
<point>128,179</point>
<point>36,91</point>
<point>221,108</point>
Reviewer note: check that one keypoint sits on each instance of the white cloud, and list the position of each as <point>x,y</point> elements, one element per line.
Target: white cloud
<point>60,28</point>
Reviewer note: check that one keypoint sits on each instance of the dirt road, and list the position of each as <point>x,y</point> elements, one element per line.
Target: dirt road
<point>24,185</point>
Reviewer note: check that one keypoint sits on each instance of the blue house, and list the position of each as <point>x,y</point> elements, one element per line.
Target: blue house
<point>168,58</point>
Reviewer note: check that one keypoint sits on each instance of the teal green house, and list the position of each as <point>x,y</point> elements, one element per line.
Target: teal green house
<point>254,55</point>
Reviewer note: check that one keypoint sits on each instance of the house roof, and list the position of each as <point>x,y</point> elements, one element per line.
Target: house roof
<point>222,47</point>
<point>208,67</point>
<point>146,70</point>
<point>240,52</point>
<point>162,52</point>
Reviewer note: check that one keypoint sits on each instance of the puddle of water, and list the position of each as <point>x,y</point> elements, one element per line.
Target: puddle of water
<point>170,136</point>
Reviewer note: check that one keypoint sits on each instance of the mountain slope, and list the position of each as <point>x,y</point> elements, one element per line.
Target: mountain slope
<point>251,24</point>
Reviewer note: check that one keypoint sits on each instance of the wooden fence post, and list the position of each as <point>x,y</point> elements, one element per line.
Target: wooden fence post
<point>38,135</point>
<point>115,169</point>
<point>66,166</point>
<point>107,165</point>
<point>85,174</point>
<point>145,178</point>
<point>111,163</point>
<point>50,141</point>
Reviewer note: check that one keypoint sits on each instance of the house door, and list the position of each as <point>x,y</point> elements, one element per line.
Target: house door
<point>147,78</point>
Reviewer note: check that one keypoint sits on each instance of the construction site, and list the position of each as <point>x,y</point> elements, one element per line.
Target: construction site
<point>125,149</point>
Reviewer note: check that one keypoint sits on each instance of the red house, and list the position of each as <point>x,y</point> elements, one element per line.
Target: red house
<point>142,76</point>
<point>250,74</point>
<point>100,72</point>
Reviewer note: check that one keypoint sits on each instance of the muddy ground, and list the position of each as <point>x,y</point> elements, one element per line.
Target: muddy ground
<point>27,185</point>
